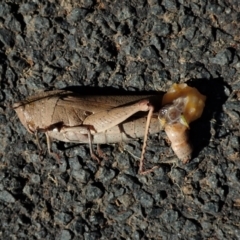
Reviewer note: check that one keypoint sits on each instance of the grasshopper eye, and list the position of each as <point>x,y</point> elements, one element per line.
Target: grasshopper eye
<point>163,111</point>
<point>171,113</point>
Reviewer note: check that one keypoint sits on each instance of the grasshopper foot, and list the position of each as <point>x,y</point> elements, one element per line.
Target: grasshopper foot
<point>56,156</point>
<point>100,152</point>
<point>143,172</point>
<point>94,157</point>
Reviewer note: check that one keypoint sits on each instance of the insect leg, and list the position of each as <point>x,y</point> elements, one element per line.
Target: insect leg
<point>141,171</point>
<point>78,134</point>
<point>93,156</point>
<point>38,142</point>
<point>102,121</point>
<point>101,153</point>
<point>53,154</point>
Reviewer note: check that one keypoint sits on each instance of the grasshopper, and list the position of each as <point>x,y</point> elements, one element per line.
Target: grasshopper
<point>69,117</point>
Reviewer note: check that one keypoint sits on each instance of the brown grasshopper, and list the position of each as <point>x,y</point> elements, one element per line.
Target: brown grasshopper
<point>66,116</point>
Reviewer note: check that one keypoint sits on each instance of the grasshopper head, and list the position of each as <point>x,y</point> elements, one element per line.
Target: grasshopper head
<point>172,113</point>
<point>24,117</point>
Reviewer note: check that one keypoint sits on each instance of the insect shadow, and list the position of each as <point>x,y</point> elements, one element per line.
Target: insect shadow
<point>213,89</point>
<point>106,91</point>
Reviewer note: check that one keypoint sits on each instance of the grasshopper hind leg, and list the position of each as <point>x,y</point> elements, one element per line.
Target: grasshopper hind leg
<point>141,164</point>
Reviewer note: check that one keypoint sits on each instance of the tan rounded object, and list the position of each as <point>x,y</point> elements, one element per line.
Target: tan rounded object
<point>194,101</point>
<point>178,134</point>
